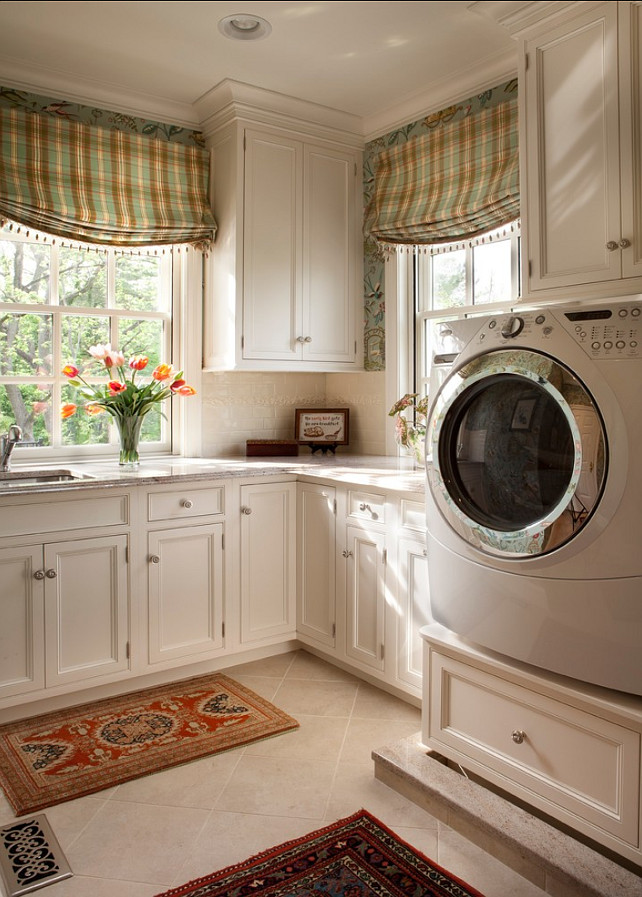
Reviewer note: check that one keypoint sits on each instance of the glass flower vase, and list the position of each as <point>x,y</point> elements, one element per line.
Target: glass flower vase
<point>129,431</point>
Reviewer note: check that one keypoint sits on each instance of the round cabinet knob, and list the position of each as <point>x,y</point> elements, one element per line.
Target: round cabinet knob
<point>518,736</point>
<point>513,327</point>
<point>624,243</point>
<point>611,246</point>
<point>308,339</point>
<point>39,574</point>
<point>187,503</point>
<point>154,559</point>
<point>51,573</point>
<point>246,510</point>
<point>300,339</point>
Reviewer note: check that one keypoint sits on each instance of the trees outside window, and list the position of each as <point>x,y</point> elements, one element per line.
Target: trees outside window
<point>55,302</point>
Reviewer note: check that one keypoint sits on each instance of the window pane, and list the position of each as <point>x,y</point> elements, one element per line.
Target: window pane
<point>151,429</point>
<point>492,272</point>
<point>142,338</point>
<point>449,279</point>
<point>82,278</point>
<point>79,332</point>
<point>138,283</point>
<point>24,272</point>
<point>25,344</point>
<point>30,407</point>
<point>83,428</point>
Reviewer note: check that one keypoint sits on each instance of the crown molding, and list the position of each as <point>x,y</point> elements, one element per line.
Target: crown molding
<point>64,86</point>
<point>518,18</point>
<point>232,101</point>
<point>443,93</point>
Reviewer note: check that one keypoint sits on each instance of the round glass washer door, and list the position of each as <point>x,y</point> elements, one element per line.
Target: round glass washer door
<point>517,453</point>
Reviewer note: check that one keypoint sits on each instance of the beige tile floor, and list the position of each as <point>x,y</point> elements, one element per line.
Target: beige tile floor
<point>144,837</point>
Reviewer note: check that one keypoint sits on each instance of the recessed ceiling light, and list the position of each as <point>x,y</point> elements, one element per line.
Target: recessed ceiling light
<point>244,26</point>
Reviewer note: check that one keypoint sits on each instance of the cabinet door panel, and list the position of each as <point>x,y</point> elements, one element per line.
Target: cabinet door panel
<point>365,597</point>
<point>329,256</point>
<point>316,553</point>
<point>272,247</point>
<point>630,31</point>
<point>572,151</point>
<point>86,609</point>
<point>268,563</point>
<point>414,613</point>
<point>185,592</point>
<point>21,621</point>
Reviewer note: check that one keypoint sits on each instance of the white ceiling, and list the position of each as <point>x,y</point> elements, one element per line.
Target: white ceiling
<point>370,59</point>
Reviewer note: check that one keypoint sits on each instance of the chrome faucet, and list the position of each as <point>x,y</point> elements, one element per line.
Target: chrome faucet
<point>7,443</point>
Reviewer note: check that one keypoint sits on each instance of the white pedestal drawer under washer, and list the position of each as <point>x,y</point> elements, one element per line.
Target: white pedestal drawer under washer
<point>534,498</point>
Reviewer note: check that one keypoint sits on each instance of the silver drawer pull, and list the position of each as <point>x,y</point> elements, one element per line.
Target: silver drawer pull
<point>624,243</point>
<point>611,246</point>
<point>154,559</point>
<point>187,503</point>
<point>518,736</point>
<point>39,574</point>
<point>246,510</point>
<point>364,507</point>
<point>50,573</point>
<point>346,553</point>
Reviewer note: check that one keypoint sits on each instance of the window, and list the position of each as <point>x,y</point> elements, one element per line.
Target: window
<point>456,280</point>
<point>56,300</point>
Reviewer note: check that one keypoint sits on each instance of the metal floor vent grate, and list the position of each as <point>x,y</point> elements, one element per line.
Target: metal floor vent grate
<point>30,856</point>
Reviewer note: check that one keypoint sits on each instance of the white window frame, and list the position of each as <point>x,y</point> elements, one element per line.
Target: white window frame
<point>405,323</point>
<point>184,437</point>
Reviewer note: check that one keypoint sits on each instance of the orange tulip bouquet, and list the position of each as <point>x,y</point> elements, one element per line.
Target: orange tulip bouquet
<point>125,398</point>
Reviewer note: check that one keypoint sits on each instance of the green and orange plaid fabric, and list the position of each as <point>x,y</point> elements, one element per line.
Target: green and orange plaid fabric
<point>102,186</point>
<point>457,181</point>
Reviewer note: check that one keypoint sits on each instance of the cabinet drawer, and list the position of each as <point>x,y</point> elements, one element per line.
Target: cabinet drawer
<point>577,761</point>
<point>185,503</point>
<point>367,506</point>
<point>57,514</point>
<point>413,515</point>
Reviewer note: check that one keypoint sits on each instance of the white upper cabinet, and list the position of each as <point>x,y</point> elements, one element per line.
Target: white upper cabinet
<point>283,284</point>
<point>580,145</point>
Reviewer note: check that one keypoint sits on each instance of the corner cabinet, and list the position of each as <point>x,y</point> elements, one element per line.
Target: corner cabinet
<point>283,281</point>
<point>581,146</point>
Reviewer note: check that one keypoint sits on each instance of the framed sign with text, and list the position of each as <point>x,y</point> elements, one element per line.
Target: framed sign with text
<point>319,427</point>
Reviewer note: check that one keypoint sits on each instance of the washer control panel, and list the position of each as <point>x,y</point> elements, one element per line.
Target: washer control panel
<point>607,332</point>
<point>603,332</point>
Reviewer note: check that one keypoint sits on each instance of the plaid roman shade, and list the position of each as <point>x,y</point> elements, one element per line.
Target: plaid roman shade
<point>102,186</point>
<point>457,181</point>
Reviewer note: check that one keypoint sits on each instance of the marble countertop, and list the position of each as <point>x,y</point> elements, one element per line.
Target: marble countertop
<point>381,472</point>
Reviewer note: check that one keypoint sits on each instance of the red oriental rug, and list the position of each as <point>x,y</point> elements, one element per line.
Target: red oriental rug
<point>354,857</point>
<point>63,755</point>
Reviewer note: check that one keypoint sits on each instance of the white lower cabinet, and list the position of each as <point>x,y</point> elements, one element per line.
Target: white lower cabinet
<point>185,592</point>
<point>365,560</point>
<point>268,561</point>
<point>412,608</point>
<point>316,564</point>
<point>575,756</point>
<point>64,613</point>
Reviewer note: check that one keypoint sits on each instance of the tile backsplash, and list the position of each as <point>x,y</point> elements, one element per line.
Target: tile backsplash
<point>261,405</point>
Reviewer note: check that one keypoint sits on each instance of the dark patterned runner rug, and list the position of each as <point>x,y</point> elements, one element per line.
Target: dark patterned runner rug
<point>63,755</point>
<point>354,857</point>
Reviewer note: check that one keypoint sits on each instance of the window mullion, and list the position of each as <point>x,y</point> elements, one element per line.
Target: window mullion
<point>470,275</point>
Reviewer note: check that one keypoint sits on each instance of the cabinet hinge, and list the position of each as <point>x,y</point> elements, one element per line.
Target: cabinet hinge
<point>355,169</point>
<point>381,650</point>
<point>126,554</point>
<point>334,630</point>
<point>127,651</point>
<point>242,342</point>
<point>384,556</point>
<point>223,629</point>
<point>530,268</point>
<point>223,541</point>
<point>525,62</point>
<point>335,507</point>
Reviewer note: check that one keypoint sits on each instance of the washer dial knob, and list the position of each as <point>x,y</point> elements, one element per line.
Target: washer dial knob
<point>512,327</point>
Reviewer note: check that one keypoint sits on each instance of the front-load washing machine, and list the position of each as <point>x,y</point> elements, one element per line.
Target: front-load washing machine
<point>534,492</point>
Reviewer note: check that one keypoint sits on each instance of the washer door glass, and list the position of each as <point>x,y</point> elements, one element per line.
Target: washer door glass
<point>518,453</point>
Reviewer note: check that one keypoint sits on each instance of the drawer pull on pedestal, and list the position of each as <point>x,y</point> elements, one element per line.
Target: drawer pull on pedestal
<point>187,503</point>
<point>518,736</point>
